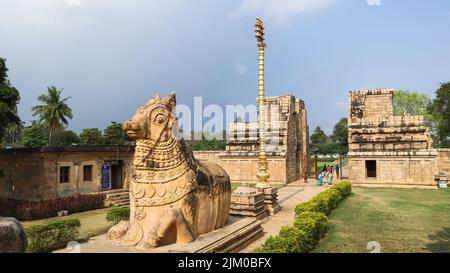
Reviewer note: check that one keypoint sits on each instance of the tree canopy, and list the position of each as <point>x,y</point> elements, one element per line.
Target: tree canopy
<point>439,109</point>
<point>9,98</point>
<point>113,134</point>
<point>91,137</point>
<point>318,137</point>
<point>54,112</point>
<point>410,103</point>
<point>34,136</point>
<point>340,135</point>
<point>65,138</point>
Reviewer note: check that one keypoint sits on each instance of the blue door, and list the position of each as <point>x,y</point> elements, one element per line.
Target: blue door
<point>106,177</point>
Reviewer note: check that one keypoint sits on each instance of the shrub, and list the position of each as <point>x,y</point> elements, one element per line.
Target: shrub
<point>51,236</point>
<point>329,198</point>
<point>344,187</point>
<point>289,240</point>
<point>115,215</point>
<point>315,205</point>
<point>326,201</point>
<point>313,223</point>
<point>31,210</point>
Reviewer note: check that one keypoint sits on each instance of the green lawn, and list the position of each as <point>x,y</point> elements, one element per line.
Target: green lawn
<point>92,222</point>
<point>401,220</point>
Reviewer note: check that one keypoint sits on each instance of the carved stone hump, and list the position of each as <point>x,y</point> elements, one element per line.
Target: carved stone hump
<point>173,198</point>
<point>12,236</point>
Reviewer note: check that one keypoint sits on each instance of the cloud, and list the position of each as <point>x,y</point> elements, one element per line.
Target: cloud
<point>73,2</point>
<point>374,2</point>
<point>241,69</point>
<point>278,10</point>
<point>340,105</point>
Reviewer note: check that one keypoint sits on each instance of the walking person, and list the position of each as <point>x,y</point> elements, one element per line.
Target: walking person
<point>325,177</point>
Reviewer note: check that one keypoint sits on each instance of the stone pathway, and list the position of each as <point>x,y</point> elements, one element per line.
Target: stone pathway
<point>288,197</point>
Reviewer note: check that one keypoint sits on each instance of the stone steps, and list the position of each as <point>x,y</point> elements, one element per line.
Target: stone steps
<point>117,198</point>
<point>239,235</point>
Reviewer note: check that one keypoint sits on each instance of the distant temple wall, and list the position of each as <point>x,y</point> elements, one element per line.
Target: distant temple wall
<point>388,150</point>
<point>243,169</point>
<point>443,161</point>
<point>287,144</point>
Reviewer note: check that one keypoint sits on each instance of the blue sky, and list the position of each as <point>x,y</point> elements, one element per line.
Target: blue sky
<point>110,56</point>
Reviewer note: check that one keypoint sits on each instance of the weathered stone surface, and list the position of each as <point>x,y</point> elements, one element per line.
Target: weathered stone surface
<point>287,144</point>
<point>33,174</point>
<point>173,197</point>
<point>12,236</point>
<point>248,202</point>
<point>399,146</point>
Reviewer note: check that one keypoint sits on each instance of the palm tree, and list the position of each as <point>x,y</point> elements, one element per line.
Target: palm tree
<point>54,112</point>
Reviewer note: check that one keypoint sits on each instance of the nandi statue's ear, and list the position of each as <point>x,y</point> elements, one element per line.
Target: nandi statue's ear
<point>170,101</point>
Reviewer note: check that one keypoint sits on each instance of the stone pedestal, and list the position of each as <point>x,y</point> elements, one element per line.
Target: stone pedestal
<point>442,180</point>
<point>248,202</point>
<point>270,199</point>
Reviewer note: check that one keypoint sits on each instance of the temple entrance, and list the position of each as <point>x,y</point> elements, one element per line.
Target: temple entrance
<point>112,175</point>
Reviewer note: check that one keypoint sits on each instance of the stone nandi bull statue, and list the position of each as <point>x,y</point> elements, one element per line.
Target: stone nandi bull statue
<point>173,197</point>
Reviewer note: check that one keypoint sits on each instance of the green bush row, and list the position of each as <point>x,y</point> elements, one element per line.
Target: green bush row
<point>326,201</point>
<point>52,236</point>
<point>310,223</point>
<point>117,214</point>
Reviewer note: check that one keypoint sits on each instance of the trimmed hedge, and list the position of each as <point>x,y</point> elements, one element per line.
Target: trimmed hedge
<point>326,201</point>
<point>30,210</point>
<point>314,223</point>
<point>115,215</point>
<point>52,236</point>
<point>290,240</point>
<point>310,223</point>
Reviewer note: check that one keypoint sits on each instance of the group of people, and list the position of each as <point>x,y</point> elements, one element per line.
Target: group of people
<point>327,175</point>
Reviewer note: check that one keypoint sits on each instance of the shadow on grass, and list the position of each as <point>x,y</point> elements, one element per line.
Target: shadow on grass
<point>441,241</point>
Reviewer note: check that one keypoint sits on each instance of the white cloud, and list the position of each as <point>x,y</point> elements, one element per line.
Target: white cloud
<point>73,2</point>
<point>374,2</point>
<point>340,105</point>
<point>241,69</point>
<point>279,10</point>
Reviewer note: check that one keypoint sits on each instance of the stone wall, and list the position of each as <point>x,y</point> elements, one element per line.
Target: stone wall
<point>443,161</point>
<point>388,150</point>
<point>287,142</point>
<point>242,168</point>
<point>33,174</point>
<point>22,176</point>
<point>395,170</point>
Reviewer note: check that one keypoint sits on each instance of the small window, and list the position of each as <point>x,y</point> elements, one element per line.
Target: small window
<point>64,174</point>
<point>87,173</point>
<point>371,168</point>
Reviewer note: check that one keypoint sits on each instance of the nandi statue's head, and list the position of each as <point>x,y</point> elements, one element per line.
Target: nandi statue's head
<point>154,120</point>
